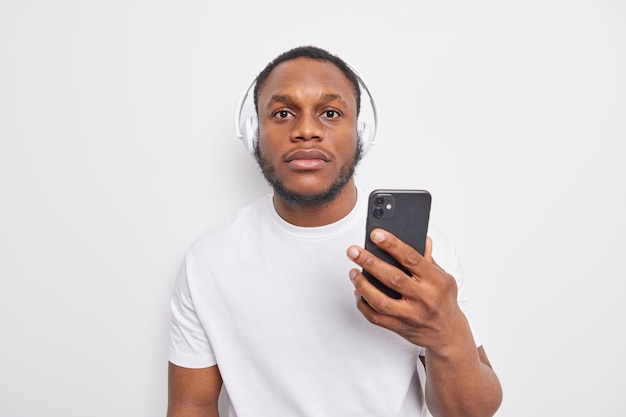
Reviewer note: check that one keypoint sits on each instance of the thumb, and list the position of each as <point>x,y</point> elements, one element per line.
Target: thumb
<point>428,252</point>
<point>428,249</point>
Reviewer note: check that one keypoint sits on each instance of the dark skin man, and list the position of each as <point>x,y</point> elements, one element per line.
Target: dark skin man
<point>307,140</point>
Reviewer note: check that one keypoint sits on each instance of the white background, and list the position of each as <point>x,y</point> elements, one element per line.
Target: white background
<point>117,150</point>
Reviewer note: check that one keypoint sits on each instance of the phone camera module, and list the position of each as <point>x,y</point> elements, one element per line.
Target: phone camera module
<point>379,201</point>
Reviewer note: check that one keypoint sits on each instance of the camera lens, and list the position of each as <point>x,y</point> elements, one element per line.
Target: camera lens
<point>378,212</point>
<point>379,201</point>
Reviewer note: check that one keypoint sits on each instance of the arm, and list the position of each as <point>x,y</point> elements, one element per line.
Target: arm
<point>456,392</point>
<point>193,392</point>
<point>459,379</point>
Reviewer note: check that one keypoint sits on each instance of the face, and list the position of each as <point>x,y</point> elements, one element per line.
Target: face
<point>308,146</point>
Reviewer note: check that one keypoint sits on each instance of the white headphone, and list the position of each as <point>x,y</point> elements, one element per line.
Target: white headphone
<point>249,134</point>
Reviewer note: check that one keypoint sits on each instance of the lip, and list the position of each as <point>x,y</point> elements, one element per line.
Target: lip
<point>307,154</point>
<point>307,159</point>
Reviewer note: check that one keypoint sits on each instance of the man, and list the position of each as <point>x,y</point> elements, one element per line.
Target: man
<point>262,307</point>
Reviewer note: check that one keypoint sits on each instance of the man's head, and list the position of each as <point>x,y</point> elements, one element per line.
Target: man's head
<point>311,52</point>
<point>307,103</point>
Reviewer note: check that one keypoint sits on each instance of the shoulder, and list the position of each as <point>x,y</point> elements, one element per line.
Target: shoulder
<point>234,227</point>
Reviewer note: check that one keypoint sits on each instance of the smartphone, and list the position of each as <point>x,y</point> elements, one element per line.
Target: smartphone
<point>405,213</point>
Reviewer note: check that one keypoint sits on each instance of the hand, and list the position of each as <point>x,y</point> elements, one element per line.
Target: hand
<point>428,314</point>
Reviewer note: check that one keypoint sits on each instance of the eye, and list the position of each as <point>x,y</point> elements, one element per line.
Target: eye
<point>331,114</point>
<point>282,114</point>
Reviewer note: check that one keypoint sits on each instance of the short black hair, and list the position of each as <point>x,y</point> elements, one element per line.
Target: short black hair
<point>311,52</point>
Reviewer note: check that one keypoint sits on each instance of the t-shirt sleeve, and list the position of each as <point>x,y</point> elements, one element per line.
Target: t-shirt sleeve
<point>189,345</point>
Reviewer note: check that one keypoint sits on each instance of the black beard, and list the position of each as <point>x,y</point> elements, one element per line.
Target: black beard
<point>313,200</point>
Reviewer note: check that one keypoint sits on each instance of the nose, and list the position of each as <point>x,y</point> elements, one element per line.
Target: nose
<point>307,127</point>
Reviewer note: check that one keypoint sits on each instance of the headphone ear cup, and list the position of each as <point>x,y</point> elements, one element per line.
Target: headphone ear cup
<point>366,136</point>
<point>250,134</point>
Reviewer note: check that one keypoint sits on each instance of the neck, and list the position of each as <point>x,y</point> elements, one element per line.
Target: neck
<point>318,215</point>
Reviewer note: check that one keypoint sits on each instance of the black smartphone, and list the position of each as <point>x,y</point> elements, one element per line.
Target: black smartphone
<point>405,213</point>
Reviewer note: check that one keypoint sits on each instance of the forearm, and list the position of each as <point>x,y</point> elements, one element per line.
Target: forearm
<point>461,383</point>
<point>191,411</point>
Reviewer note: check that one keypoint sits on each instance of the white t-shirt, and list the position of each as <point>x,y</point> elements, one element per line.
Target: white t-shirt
<point>272,305</point>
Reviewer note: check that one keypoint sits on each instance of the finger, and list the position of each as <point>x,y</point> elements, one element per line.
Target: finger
<point>387,274</point>
<point>375,298</point>
<point>367,307</point>
<point>406,255</point>
<point>396,324</point>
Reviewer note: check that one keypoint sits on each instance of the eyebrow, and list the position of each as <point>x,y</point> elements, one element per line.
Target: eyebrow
<point>280,98</point>
<point>332,97</point>
<point>287,98</point>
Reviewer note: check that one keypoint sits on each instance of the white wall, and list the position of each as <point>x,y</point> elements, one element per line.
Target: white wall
<point>117,150</point>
